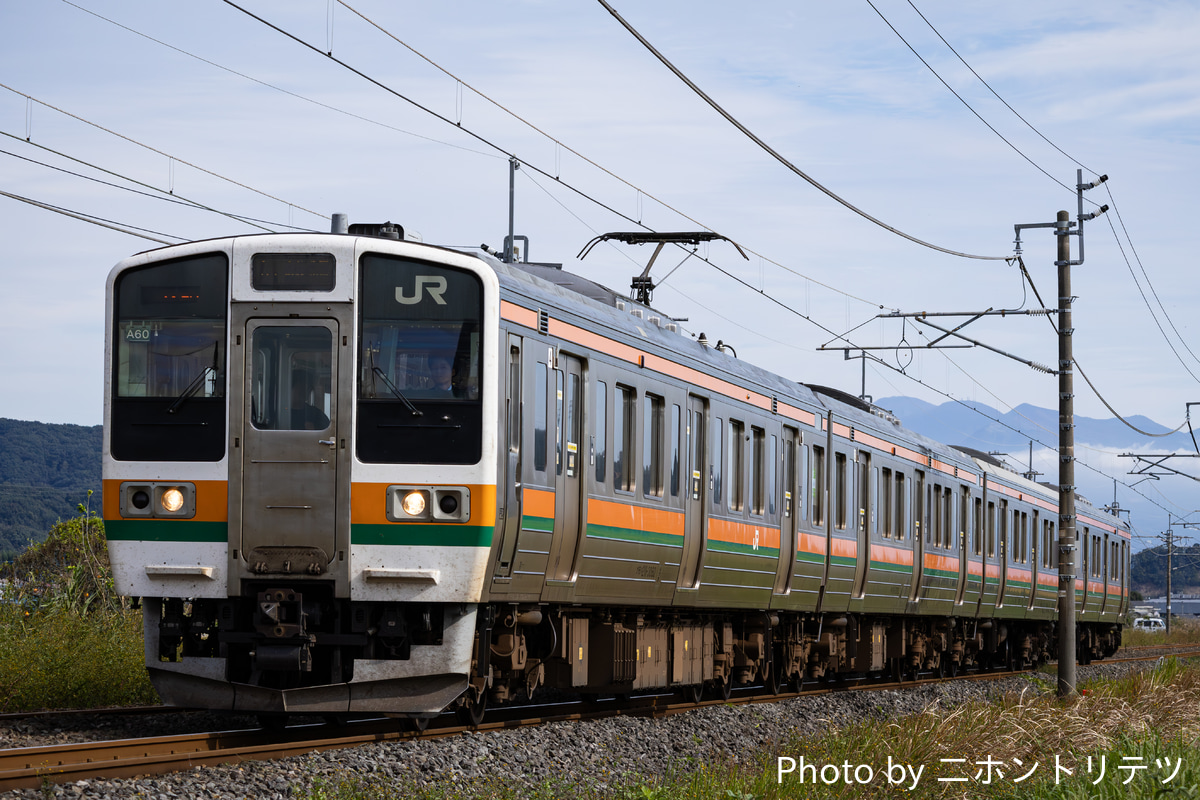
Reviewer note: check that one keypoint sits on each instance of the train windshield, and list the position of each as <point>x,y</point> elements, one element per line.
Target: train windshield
<point>420,363</point>
<point>169,352</point>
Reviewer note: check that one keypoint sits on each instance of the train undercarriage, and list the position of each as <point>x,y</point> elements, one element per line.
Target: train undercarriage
<point>287,650</point>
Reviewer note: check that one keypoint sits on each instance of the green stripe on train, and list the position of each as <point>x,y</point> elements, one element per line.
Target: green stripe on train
<point>423,535</point>
<point>634,535</point>
<point>165,530</point>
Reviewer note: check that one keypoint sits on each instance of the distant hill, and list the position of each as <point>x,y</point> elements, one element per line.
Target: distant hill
<point>958,424</point>
<point>1149,571</point>
<point>45,472</point>
<point>1151,506</point>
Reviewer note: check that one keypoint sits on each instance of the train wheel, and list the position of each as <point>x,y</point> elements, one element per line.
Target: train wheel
<point>898,670</point>
<point>772,681</point>
<point>472,715</point>
<point>693,694</point>
<point>952,669</point>
<point>416,724</point>
<point>722,689</point>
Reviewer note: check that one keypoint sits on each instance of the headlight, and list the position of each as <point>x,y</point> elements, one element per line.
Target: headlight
<point>172,500</point>
<point>414,504</point>
<point>428,503</point>
<point>158,500</point>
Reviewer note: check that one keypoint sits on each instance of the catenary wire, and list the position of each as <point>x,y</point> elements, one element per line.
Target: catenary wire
<point>194,203</point>
<point>161,153</point>
<point>261,82</point>
<point>578,154</point>
<point>103,223</point>
<point>962,100</point>
<point>1142,267</point>
<point>541,171</point>
<point>990,89</point>
<point>776,154</point>
<point>173,199</point>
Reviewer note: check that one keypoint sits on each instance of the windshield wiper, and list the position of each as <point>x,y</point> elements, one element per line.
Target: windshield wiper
<point>195,385</point>
<point>416,412</point>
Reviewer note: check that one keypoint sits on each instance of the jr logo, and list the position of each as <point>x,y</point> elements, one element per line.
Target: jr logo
<point>434,284</point>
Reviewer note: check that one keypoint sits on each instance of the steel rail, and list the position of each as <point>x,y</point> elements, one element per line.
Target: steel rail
<point>32,767</point>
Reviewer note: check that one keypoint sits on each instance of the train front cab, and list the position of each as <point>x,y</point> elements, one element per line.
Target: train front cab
<point>336,504</point>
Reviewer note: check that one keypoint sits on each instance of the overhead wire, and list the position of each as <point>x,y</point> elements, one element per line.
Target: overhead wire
<point>1153,291</point>
<point>989,88</point>
<point>103,223</point>
<point>559,143</point>
<point>193,203</point>
<point>776,154</point>
<point>185,162</point>
<point>1153,315</point>
<point>173,199</point>
<point>275,87</point>
<point>506,152</point>
<point>547,174</point>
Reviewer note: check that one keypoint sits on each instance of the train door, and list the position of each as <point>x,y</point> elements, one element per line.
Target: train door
<point>569,485</point>
<point>290,445</point>
<point>918,535</point>
<point>787,522</point>
<point>511,506</point>
<point>1002,556</point>
<point>1034,554</point>
<point>862,560</point>
<point>964,515</point>
<point>695,533</point>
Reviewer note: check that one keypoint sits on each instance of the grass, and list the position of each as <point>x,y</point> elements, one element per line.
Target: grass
<point>61,658</point>
<point>1184,630</point>
<point>1148,719</point>
<point>66,639</point>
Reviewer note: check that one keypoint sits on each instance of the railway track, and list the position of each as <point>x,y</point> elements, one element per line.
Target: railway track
<point>32,767</point>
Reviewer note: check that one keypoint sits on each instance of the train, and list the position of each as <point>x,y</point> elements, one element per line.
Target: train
<point>355,473</point>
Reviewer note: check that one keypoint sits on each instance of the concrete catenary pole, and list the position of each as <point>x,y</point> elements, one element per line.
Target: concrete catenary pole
<point>1066,466</point>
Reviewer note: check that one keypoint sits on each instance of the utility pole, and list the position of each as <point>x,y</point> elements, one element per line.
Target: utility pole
<point>1066,430</point>
<point>1170,552</point>
<point>1066,466</point>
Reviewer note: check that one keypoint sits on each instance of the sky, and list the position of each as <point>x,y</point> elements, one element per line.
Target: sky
<point>201,104</point>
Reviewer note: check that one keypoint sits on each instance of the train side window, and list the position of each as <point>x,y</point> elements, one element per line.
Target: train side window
<point>802,473</point>
<point>817,486</point>
<point>885,502</point>
<point>839,491</point>
<point>991,530</point>
<point>540,409</point>
<point>718,463</point>
<point>623,439</point>
<point>675,422</point>
<point>901,507</point>
<point>864,491</point>
<point>1051,558</point>
<point>789,476</point>
<point>601,440</point>
<point>947,516</point>
<point>736,466</point>
<point>933,534</point>
<point>514,400</point>
<point>1002,534</point>
<point>652,446</point>
<point>977,528</point>
<point>757,470</point>
<point>772,460</point>
<point>1024,538</point>
<point>919,507</point>
<point>964,515</point>
<point>560,427</point>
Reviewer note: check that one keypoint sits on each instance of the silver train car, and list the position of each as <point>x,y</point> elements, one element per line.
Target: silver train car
<point>351,473</point>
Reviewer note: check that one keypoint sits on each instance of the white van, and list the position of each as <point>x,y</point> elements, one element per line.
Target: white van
<point>1149,624</point>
